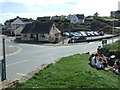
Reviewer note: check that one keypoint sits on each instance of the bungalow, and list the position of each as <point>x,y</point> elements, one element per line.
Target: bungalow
<point>39,31</point>
<point>76,18</point>
<point>62,17</point>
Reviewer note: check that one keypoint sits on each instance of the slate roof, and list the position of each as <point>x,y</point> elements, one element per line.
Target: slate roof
<point>80,16</point>
<point>38,27</point>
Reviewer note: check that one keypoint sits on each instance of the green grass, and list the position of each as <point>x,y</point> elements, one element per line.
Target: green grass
<point>114,46</point>
<point>72,72</point>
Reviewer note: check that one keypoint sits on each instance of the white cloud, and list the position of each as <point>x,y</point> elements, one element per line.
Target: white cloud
<point>40,2</point>
<point>36,7</point>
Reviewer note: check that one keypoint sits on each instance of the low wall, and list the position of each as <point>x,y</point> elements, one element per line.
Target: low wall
<point>96,39</point>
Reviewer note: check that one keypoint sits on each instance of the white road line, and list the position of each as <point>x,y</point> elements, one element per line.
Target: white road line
<point>20,74</point>
<point>16,63</point>
<point>19,50</point>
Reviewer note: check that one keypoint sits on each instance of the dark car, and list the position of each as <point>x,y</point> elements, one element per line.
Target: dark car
<point>101,33</point>
<point>77,39</point>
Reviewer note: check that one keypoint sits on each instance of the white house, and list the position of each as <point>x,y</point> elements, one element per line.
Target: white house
<point>12,24</point>
<point>17,23</point>
<point>18,30</point>
<point>76,18</point>
<point>69,17</point>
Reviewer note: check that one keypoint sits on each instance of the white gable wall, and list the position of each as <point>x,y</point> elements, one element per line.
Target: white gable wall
<point>75,19</point>
<point>16,23</point>
<point>18,31</point>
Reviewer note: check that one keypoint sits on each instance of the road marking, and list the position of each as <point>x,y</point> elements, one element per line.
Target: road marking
<point>16,63</point>
<point>19,50</point>
<point>20,74</point>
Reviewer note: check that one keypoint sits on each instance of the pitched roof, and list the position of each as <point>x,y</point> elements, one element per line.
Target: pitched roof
<point>17,21</point>
<point>80,16</point>
<point>22,19</point>
<point>38,27</point>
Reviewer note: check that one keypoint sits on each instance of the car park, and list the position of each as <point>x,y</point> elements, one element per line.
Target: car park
<point>96,33</point>
<point>89,34</point>
<point>83,33</point>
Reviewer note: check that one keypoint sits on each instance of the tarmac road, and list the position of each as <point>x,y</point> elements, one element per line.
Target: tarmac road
<point>29,57</point>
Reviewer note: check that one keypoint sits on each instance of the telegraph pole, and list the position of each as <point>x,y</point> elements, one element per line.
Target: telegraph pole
<point>3,76</point>
<point>113,31</point>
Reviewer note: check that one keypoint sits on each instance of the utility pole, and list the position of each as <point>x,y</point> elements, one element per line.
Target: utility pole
<point>113,31</point>
<point>15,31</point>
<point>3,74</point>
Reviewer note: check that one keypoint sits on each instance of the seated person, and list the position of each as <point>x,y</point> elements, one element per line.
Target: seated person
<point>105,64</point>
<point>94,60</point>
<point>90,59</point>
<point>99,63</point>
<point>116,67</point>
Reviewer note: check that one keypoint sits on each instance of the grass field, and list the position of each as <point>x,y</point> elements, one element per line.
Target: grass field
<point>72,72</point>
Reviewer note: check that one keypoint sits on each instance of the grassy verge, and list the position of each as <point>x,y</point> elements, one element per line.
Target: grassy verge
<point>114,46</point>
<point>71,72</point>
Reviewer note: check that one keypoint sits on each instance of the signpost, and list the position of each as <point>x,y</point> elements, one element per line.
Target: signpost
<point>3,62</point>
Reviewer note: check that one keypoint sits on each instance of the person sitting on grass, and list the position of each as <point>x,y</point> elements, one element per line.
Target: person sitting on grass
<point>99,64</point>
<point>116,67</point>
<point>94,60</point>
<point>105,64</point>
<point>90,58</point>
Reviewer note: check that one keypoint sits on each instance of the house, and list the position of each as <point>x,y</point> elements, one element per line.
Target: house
<point>76,18</point>
<point>69,17</point>
<point>16,24</point>
<point>12,24</point>
<point>18,31</point>
<point>45,18</point>
<point>115,14</point>
<point>41,31</point>
<point>62,17</point>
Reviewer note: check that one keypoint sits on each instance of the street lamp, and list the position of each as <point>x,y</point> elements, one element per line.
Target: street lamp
<point>113,31</point>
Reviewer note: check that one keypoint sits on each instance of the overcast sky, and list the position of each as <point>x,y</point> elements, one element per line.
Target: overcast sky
<point>36,8</point>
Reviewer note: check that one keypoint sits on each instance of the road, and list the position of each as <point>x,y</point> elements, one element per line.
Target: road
<point>29,57</point>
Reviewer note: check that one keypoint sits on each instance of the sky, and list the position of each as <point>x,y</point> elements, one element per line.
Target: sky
<point>37,8</point>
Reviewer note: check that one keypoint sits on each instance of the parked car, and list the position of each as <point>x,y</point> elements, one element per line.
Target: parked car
<point>96,33</point>
<point>83,33</point>
<point>70,34</point>
<point>66,34</point>
<point>90,34</point>
<point>101,33</point>
<point>77,39</point>
<point>77,34</point>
